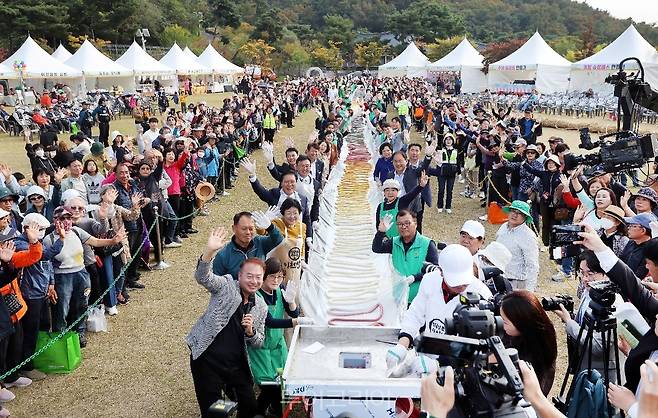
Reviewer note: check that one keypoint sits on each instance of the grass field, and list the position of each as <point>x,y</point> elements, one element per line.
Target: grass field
<point>141,366</point>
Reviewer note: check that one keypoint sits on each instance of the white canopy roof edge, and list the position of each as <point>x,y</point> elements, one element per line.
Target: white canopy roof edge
<point>180,62</point>
<point>61,54</point>
<point>410,63</point>
<point>94,63</point>
<point>39,63</point>
<point>141,63</point>
<point>217,63</point>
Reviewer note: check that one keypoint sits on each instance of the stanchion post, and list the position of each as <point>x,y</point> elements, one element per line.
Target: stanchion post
<point>488,194</point>
<point>160,265</point>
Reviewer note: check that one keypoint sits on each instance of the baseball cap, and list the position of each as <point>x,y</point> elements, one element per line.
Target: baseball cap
<point>473,228</point>
<point>60,212</point>
<point>36,218</point>
<point>456,263</point>
<point>642,219</point>
<point>520,141</point>
<point>497,254</point>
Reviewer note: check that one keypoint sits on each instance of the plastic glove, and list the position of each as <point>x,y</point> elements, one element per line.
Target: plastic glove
<point>424,365</point>
<point>261,220</point>
<point>395,355</point>
<point>405,367</point>
<point>309,243</point>
<point>272,213</point>
<point>428,268</point>
<point>249,166</point>
<point>290,292</point>
<point>409,279</point>
<point>268,153</point>
<point>388,221</point>
<point>304,320</point>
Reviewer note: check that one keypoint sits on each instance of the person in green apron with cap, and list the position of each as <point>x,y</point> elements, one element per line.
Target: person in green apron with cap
<point>409,250</point>
<point>267,360</point>
<point>392,204</point>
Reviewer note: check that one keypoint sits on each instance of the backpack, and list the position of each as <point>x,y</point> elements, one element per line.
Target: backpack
<point>589,397</point>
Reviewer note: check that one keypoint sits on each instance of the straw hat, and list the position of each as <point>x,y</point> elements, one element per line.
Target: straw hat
<point>204,191</point>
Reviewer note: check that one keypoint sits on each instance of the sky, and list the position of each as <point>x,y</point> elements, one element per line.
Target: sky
<point>639,10</point>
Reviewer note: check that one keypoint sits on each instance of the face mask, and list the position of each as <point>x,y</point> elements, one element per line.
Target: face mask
<point>39,153</point>
<point>201,154</point>
<point>607,223</point>
<point>41,234</point>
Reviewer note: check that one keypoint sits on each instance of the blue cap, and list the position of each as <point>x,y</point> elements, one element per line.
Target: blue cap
<point>642,219</point>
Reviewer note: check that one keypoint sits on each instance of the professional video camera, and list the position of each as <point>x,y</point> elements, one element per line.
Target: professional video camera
<point>553,303</point>
<point>602,294</point>
<point>562,241</point>
<point>482,388</point>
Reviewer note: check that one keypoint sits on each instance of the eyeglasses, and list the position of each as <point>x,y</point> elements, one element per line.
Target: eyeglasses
<point>65,218</point>
<point>36,197</point>
<point>7,200</point>
<point>406,224</point>
<point>635,226</point>
<point>78,208</point>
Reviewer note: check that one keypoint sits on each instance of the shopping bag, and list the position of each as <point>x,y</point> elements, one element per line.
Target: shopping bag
<point>62,357</point>
<point>96,321</point>
<point>496,215</point>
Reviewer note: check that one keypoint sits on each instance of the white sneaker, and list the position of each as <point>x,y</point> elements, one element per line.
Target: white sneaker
<point>440,210</point>
<point>481,195</point>
<point>173,244</point>
<point>6,395</point>
<point>4,412</point>
<point>559,276</point>
<point>21,382</point>
<point>484,218</point>
<point>462,181</point>
<point>112,310</point>
<point>225,193</point>
<point>448,210</point>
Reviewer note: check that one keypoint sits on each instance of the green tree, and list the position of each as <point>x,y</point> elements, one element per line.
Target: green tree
<point>369,54</point>
<point>327,56</point>
<point>426,20</point>
<point>101,18</point>
<point>178,34</point>
<point>296,56</point>
<point>340,31</point>
<point>269,26</point>
<point>257,51</point>
<point>441,47</point>
<point>225,13</point>
<point>40,18</point>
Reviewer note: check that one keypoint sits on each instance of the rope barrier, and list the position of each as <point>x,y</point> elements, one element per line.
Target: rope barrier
<point>97,301</point>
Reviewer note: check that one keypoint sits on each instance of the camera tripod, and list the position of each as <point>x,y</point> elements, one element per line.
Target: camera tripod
<point>601,321</point>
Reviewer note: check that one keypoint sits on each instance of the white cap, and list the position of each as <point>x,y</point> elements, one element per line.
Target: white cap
<point>391,184</point>
<point>497,254</point>
<point>36,218</point>
<point>32,190</point>
<point>456,263</point>
<point>70,194</point>
<point>3,213</point>
<point>473,228</point>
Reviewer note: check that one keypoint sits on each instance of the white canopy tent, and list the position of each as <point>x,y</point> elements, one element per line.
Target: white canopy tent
<point>466,60</point>
<point>410,63</point>
<point>189,53</point>
<point>212,59</point>
<point>535,60</point>
<point>141,63</point>
<point>99,71</point>
<point>182,63</point>
<point>592,71</point>
<point>7,72</point>
<point>61,54</point>
<point>41,69</point>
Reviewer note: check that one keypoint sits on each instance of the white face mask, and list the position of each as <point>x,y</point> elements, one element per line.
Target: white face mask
<point>39,153</point>
<point>607,223</point>
<point>41,234</point>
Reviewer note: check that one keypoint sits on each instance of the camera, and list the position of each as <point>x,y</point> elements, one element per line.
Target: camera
<point>602,294</point>
<point>562,241</point>
<point>498,284</point>
<point>626,152</point>
<point>553,303</point>
<point>474,318</point>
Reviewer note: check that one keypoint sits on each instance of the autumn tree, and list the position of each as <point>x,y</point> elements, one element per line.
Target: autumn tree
<point>76,41</point>
<point>327,56</point>
<point>257,51</point>
<point>369,54</point>
<point>496,51</point>
<point>441,47</point>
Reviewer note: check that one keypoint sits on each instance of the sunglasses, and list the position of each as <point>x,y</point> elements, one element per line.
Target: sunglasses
<point>65,218</point>
<point>36,197</point>
<point>6,200</point>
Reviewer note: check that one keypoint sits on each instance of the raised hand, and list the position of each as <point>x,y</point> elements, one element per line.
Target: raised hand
<point>290,292</point>
<point>423,179</point>
<point>32,232</point>
<point>268,152</point>
<point>120,236</point>
<point>5,171</point>
<point>249,166</point>
<point>261,220</point>
<point>272,213</point>
<point>7,250</point>
<point>60,174</point>
<point>216,239</point>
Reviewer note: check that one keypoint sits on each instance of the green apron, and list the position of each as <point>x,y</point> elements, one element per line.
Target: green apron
<point>411,262</point>
<point>393,230</point>
<point>266,361</point>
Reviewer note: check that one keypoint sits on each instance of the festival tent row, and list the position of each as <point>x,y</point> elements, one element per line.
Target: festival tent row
<point>410,63</point>
<point>592,71</point>
<point>99,71</point>
<point>467,61</point>
<point>61,54</point>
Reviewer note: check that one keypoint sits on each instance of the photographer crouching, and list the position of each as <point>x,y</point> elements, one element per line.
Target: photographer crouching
<point>631,287</point>
<point>218,341</point>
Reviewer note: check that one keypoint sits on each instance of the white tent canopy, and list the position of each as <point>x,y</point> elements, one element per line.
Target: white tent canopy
<point>141,63</point>
<point>182,63</point>
<point>410,63</point>
<point>189,53</point>
<point>7,72</point>
<point>39,64</point>
<point>61,54</point>
<point>98,70</point>
<point>465,59</point>
<point>212,59</point>
<point>535,60</point>
<point>592,71</point>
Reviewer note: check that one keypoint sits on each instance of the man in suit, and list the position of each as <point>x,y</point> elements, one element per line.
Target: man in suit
<point>409,176</point>
<point>530,128</point>
<point>414,152</point>
<point>317,165</point>
<point>276,196</point>
<point>277,171</point>
<point>308,186</point>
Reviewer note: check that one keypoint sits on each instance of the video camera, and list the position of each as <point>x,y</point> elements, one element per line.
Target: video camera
<point>626,151</point>
<point>553,303</point>
<point>602,294</point>
<point>498,284</point>
<point>482,388</point>
<point>562,241</point>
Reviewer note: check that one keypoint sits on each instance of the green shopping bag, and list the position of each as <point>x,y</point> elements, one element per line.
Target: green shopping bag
<point>62,357</point>
<point>74,128</point>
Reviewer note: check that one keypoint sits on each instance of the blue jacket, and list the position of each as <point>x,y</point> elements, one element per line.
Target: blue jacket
<point>230,258</point>
<point>213,162</point>
<point>37,277</point>
<point>382,168</point>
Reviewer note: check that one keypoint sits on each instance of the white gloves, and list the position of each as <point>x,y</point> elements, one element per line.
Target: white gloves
<point>409,279</point>
<point>268,152</point>
<point>395,355</point>
<point>424,365</point>
<point>272,213</point>
<point>304,320</point>
<point>290,292</point>
<point>261,220</point>
<point>249,166</point>
<point>388,221</point>
<point>309,243</point>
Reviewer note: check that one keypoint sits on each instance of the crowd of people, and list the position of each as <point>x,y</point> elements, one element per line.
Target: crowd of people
<point>91,210</point>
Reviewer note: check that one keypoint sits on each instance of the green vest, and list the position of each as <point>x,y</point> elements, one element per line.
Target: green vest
<point>411,262</point>
<point>403,107</point>
<point>269,121</point>
<point>450,160</point>
<point>393,230</point>
<point>268,359</point>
